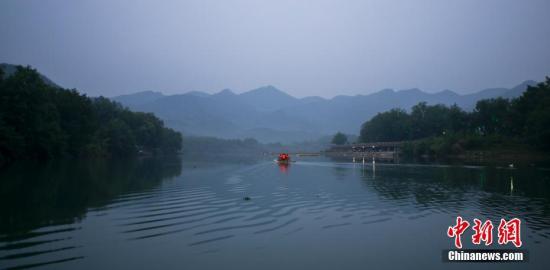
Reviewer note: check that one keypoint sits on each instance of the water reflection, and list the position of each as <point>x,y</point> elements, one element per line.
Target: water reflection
<point>212,213</point>
<point>283,167</point>
<point>483,191</point>
<point>42,204</point>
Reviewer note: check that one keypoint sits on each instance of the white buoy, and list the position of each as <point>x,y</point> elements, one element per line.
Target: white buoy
<point>353,159</point>
<point>363,160</point>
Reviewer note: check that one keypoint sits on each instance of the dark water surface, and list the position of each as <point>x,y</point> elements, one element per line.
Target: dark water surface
<point>313,214</point>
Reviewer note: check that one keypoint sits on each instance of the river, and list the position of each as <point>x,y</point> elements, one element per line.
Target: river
<point>250,213</point>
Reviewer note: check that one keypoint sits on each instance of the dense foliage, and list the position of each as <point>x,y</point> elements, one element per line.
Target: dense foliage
<point>339,138</point>
<point>41,121</point>
<point>523,120</point>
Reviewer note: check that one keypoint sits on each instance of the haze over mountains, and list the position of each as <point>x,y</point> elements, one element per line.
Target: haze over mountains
<point>271,115</point>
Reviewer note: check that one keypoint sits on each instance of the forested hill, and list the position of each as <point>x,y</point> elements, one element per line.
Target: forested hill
<point>39,120</point>
<point>494,123</point>
<point>10,69</point>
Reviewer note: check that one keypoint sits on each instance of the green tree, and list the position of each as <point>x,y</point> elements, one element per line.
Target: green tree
<point>171,141</point>
<point>458,120</point>
<point>340,139</point>
<point>394,125</point>
<point>30,116</point>
<point>493,116</point>
<point>443,129</point>
<point>430,120</point>
<point>39,120</point>
<point>533,114</point>
<point>76,119</point>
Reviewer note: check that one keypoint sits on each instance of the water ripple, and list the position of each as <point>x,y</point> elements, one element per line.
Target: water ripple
<point>200,215</point>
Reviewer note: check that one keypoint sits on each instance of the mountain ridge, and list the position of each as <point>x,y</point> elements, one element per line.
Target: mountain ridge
<point>272,115</point>
<point>269,114</point>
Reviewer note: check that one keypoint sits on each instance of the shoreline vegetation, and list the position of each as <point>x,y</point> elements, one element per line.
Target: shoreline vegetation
<point>497,149</point>
<point>497,129</point>
<point>42,121</point>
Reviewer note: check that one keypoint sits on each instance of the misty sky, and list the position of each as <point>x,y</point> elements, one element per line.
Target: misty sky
<point>319,47</point>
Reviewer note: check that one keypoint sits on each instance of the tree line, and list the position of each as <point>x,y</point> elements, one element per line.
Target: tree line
<point>41,121</point>
<point>523,120</point>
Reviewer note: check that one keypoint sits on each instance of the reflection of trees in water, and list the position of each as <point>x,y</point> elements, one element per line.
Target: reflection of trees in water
<point>38,194</point>
<point>494,192</point>
<point>397,182</point>
<point>523,193</point>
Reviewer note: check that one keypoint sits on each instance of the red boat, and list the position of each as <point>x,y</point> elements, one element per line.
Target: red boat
<point>283,158</point>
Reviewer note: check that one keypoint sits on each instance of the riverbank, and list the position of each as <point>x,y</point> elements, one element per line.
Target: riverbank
<point>446,151</point>
<point>494,149</point>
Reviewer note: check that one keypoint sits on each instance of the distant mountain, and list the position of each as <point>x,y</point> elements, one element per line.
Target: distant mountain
<point>268,98</point>
<point>224,114</point>
<point>139,98</point>
<point>271,115</point>
<point>9,69</point>
<point>198,94</point>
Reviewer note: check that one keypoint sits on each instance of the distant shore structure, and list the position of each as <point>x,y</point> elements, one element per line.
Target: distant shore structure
<point>383,151</point>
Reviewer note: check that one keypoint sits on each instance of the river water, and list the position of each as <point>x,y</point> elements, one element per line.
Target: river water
<point>250,213</point>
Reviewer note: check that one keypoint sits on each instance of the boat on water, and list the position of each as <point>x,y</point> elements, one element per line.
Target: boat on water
<point>283,158</point>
